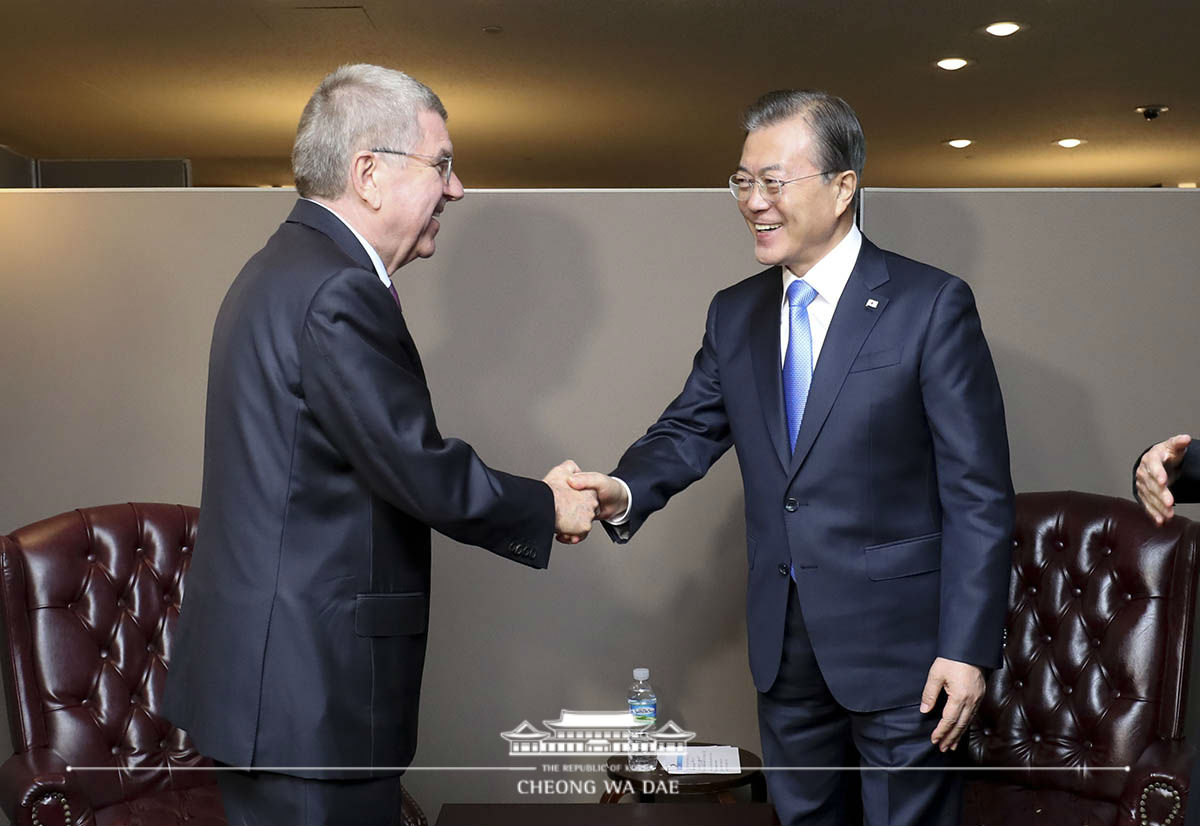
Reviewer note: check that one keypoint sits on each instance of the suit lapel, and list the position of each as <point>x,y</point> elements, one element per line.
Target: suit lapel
<point>764,349</point>
<point>852,322</point>
<point>318,217</point>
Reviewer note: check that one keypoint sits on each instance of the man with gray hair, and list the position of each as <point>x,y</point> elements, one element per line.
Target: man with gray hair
<point>301,641</point>
<point>859,393</point>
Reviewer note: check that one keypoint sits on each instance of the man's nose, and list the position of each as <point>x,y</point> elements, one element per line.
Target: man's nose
<point>757,202</point>
<point>454,188</point>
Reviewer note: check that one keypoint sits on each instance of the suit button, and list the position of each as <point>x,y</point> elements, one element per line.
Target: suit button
<point>783,568</point>
<point>790,505</point>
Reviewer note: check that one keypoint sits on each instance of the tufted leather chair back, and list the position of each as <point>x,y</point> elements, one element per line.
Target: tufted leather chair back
<point>90,598</point>
<point>1096,653</point>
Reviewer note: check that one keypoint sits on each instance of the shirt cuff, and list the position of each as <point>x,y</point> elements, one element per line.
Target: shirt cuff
<point>623,517</point>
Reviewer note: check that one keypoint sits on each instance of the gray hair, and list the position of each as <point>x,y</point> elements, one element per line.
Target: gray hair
<point>356,107</point>
<point>838,135</point>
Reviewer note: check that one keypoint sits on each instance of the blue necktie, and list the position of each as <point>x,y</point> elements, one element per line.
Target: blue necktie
<point>798,363</point>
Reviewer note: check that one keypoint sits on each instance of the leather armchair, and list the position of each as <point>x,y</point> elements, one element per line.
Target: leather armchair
<point>1096,657</point>
<point>89,600</point>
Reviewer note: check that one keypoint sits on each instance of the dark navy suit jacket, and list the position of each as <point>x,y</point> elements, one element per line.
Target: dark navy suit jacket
<point>896,508</point>
<point>302,634</point>
<point>1187,486</point>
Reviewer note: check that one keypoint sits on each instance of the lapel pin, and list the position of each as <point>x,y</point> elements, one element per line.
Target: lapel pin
<point>872,304</point>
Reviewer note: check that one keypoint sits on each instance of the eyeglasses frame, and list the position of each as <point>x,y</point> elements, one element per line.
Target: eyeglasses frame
<point>433,160</point>
<point>735,190</point>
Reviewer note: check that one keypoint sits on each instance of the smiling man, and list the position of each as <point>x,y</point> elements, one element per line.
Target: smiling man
<point>860,396</point>
<point>301,641</point>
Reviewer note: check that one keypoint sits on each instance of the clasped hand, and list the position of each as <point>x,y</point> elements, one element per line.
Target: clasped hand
<point>574,509</point>
<point>580,498</point>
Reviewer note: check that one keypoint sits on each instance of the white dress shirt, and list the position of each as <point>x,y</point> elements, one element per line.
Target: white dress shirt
<point>828,277</point>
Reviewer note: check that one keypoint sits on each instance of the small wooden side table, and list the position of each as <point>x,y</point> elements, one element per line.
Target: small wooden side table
<point>721,785</point>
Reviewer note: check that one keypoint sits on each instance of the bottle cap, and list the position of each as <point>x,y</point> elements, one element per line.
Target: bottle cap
<point>641,673</point>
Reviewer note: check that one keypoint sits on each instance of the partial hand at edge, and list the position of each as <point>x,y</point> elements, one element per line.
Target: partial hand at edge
<point>610,494</point>
<point>964,686</point>
<point>1156,472</point>
<point>574,510</point>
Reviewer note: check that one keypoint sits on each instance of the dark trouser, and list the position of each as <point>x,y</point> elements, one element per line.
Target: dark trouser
<point>802,725</point>
<point>269,799</point>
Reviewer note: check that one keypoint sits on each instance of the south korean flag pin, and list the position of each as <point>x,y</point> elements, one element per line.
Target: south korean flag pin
<point>872,304</point>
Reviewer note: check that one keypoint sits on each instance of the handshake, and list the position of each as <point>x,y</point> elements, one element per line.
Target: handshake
<point>580,498</point>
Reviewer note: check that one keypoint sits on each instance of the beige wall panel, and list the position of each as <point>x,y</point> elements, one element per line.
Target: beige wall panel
<point>556,324</point>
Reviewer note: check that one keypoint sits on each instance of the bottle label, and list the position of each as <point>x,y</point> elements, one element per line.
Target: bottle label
<point>644,711</point>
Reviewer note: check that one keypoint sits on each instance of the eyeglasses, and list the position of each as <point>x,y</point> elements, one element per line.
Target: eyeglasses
<point>444,164</point>
<point>771,188</point>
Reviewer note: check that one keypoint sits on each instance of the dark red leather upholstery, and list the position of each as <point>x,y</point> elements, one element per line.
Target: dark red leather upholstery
<point>89,601</point>
<point>1097,649</point>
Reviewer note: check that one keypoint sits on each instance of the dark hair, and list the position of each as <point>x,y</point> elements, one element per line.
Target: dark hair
<point>838,135</point>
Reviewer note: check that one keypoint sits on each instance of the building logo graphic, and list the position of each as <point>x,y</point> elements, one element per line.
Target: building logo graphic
<point>595,733</point>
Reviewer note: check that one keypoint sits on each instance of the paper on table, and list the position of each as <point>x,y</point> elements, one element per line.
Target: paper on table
<point>703,760</point>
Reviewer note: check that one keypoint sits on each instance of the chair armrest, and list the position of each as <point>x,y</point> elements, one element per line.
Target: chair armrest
<point>35,790</point>
<point>410,812</point>
<point>1156,793</point>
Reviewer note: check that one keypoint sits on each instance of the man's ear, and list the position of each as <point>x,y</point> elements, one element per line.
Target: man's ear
<point>364,167</point>
<point>847,185</point>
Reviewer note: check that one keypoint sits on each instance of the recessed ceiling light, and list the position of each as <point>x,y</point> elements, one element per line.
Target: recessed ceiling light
<point>952,64</point>
<point>1003,29</point>
<point>960,143</point>
<point>1187,185</point>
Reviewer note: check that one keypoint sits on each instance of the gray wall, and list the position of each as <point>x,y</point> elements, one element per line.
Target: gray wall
<point>557,324</point>
<point>1089,300</point>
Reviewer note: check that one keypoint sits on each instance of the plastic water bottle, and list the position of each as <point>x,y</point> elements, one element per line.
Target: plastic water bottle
<point>643,705</point>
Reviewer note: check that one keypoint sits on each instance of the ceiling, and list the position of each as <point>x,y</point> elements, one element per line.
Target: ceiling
<point>623,93</point>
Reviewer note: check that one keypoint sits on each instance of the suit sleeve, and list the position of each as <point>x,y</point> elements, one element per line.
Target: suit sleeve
<point>965,412</point>
<point>691,434</point>
<point>361,381</point>
<point>1187,486</point>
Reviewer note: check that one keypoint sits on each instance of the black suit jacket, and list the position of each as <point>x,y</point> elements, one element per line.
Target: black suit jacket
<point>896,508</point>
<point>1187,486</point>
<point>302,635</point>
